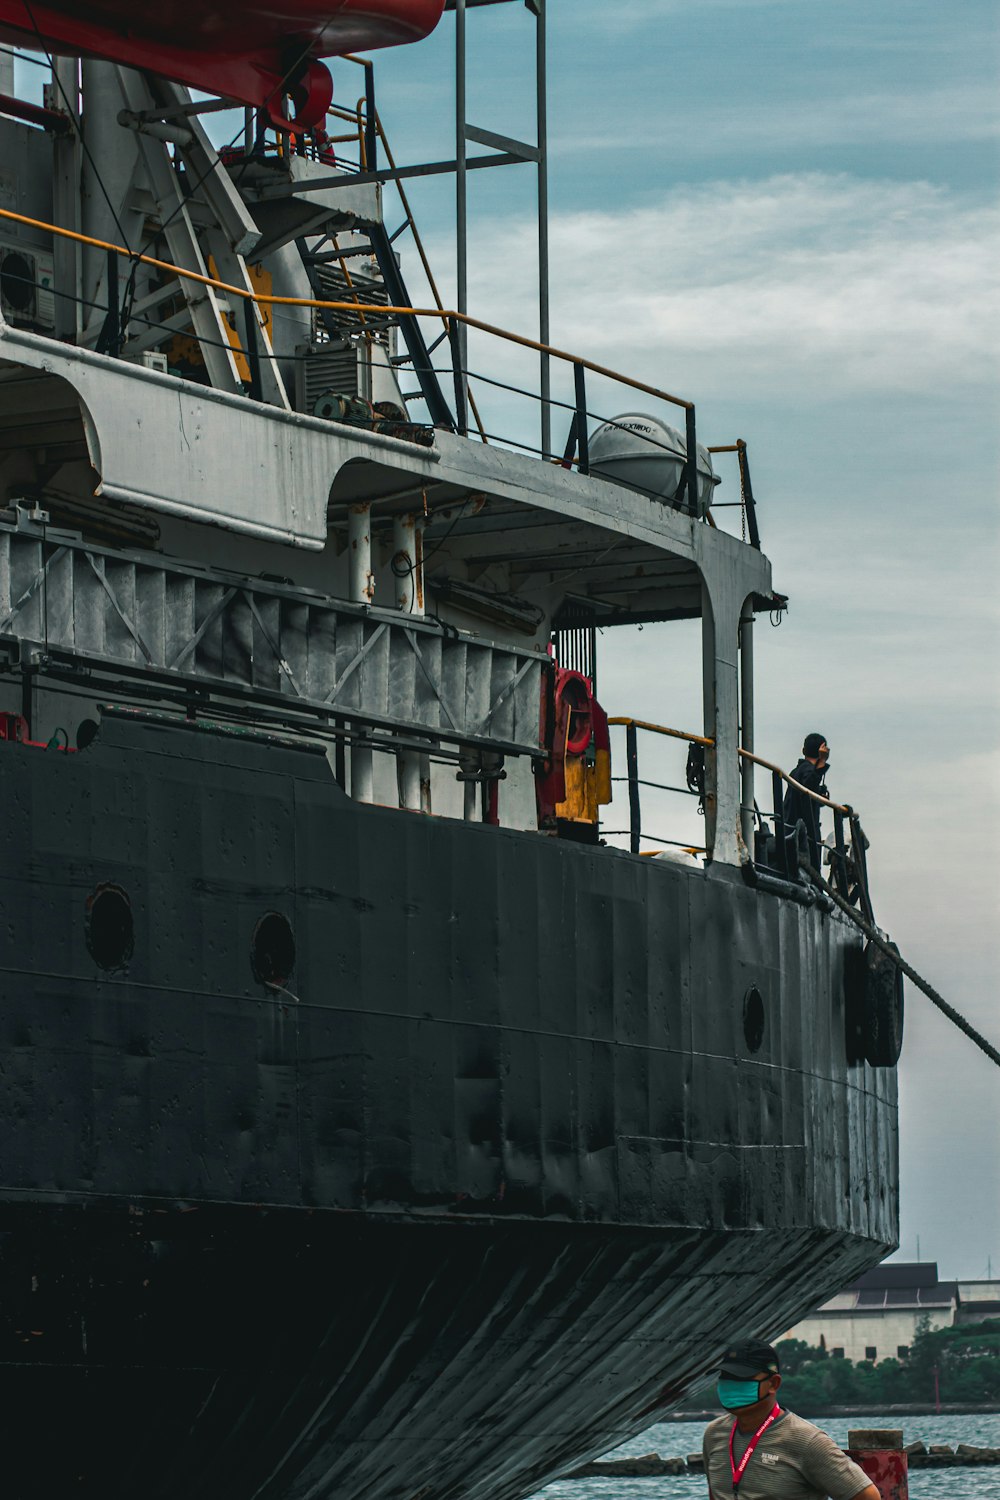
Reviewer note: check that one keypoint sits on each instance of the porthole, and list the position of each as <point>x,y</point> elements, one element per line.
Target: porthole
<point>272,950</point>
<point>110,928</point>
<point>753,1018</point>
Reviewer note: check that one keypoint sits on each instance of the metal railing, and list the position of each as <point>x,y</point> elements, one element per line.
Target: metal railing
<point>694,779</point>
<point>579,365</point>
<point>848,863</point>
<point>776,850</point>
<point>369,133</point>
<point>375,161</point>
<point>746,502</point>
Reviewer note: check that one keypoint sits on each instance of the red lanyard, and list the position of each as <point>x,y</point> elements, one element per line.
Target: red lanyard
<point>739,1469</point>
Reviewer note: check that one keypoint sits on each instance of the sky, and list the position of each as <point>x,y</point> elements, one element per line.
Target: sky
<point>789,213</point>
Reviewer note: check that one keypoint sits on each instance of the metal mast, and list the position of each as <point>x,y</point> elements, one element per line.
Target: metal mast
<point>512,148</point>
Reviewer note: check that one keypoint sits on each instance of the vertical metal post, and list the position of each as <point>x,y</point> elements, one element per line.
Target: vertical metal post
<point>632,771</point>
<point>542,139</point>
<point>780,832</point>
<point>6,73</point>
<point>861,866</point>
<point>746,729</point>
<point>840,863</point>
<point>110,339</point>
<point>67,260</point>
<point>691,465</point>
<point>455,330</point>
<point>371,120</point>
<point>750,505</point>
<point>461,180</point>
<point>582,436</point>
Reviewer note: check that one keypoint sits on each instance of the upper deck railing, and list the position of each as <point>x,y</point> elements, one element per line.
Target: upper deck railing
<point>453,318</point>
<point>576,454</point>
<point>372,160</point>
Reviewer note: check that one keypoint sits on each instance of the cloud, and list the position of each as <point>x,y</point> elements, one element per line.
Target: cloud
<point>845,284</point>
<point>926,116</point>
<point>643,13</point>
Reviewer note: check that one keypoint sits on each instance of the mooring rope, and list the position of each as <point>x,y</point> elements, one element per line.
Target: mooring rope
<point>875,937</point>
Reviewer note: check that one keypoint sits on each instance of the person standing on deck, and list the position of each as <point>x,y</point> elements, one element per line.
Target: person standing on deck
<point>811,774</point>
<point>763,1452</point>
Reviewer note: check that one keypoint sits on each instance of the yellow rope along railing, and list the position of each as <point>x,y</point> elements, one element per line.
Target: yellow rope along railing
<point>270,300</point>
<point>674,734</point>
<point>701,739</point>
<point>842,807</point>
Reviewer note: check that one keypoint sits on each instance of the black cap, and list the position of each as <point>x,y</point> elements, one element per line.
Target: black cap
<point>811,744</point>
<point>748,1358</point>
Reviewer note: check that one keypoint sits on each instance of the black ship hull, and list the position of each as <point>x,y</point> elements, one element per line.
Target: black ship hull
<point>488,1181</point>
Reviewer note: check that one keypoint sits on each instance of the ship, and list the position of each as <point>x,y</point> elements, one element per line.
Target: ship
<point>378,1120</point>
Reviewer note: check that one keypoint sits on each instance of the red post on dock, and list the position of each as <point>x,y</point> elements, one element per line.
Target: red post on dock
<point>879,1452</point>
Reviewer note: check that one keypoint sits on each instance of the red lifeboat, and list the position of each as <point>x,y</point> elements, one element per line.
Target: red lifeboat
<point>255,51</point>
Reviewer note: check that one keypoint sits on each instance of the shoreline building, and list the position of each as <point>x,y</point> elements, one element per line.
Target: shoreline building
<point>879,1315</point>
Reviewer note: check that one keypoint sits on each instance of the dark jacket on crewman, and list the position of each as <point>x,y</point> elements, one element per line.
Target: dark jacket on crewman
<point>797,805</point>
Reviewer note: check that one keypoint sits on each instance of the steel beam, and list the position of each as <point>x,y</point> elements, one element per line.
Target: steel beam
<point>388,174</point>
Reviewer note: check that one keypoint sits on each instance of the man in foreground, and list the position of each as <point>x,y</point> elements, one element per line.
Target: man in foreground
<point>763,1452</point>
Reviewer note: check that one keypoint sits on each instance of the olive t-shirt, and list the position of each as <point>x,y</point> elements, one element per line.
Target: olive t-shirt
<point>793,1461</point>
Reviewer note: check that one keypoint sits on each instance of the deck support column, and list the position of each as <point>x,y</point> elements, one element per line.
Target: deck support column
<point>361,591</point>
<point>746,726</point>
<point>359,547</point>
<point>413,768</point>
<point>721,611</point>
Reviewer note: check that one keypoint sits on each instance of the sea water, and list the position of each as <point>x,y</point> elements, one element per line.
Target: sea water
<point>678,1439</point>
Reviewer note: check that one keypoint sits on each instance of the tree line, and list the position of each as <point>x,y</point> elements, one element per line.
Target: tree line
<point>954,1365</point>
<point>957,1366</point>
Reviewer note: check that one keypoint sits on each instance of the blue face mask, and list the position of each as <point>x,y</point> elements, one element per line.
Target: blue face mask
<point>734,1394</point>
